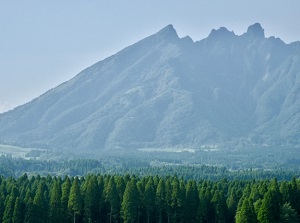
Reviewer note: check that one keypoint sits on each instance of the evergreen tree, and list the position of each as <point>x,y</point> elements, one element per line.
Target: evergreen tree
<point>100,182</point>
<point>18,212</point>
<point>206,210</point>
<point>27,196</point>
<point>66,187</point>
<point>40,203</point>
<point>178,200</point>
<point>160,200</point>
<point>286,191</point>
<point>168,199</point>
<point>192,201</point>
<point>55,203</point>
<point>149,199</point>
<point>9,209</point>
<point>120,184</point>
<point>288,214</point>
<point>30,212</point>
<point>129,208</point>
<point>247,213</point>
<point>255,194</point>
<point>270,209</point>
<point>75,200</point>
<point>2,206</point>
<point>220,207</point>
<point>156,181</point>
<point>246,194</point>
<point>295,196</point>
<point>113,199</point>
<point>91,200</point>
<point>232,203</point>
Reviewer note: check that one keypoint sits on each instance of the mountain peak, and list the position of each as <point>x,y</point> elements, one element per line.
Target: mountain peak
<point>168,32</point>
<point>256,31</point>
<point>221,33</point>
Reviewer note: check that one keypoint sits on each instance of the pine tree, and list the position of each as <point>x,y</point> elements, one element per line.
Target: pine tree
<point>219,202</point>
<point>168,199</point>
<point>232,203</point>
<point>91,200</point>
<point>9,209</point>
<point>55,203</point>
<point>129,208</point>
<point>18,212</point>
<point>30,212</point>
<point>66,187</point>
<point>270,209</point>
<point>40,203</point>
<point>178,200</point>
<point>286,191</point>
<point>2,207</point>
<point>100,182</point>
<point>160,200</point>
<point>206,212</point>
<point>113,199</point>
<point>75,199</point>
<point>295,196</point>
<point>149,199</point>
<point>288,214</point>
<point>120,184</point>
<point>247,213</point>
<point>192,201</point>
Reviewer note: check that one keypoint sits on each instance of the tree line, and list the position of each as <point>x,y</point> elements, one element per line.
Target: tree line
<point>130,199</point>
<point>16,167</point>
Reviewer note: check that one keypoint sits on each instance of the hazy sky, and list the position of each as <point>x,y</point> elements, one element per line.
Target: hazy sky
<point>44,43</point>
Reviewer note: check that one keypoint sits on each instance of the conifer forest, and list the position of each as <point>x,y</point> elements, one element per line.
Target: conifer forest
<point>130,198</point>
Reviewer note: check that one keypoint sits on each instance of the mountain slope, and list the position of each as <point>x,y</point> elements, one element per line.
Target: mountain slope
<point>166,91</point>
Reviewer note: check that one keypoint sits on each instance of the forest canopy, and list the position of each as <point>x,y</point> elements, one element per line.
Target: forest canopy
<point>129,198</point>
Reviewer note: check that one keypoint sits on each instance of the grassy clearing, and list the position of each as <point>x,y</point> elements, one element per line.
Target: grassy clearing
<point>14,151</point>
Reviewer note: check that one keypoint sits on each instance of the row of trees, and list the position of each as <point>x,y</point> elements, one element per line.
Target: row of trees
<point>113,198</point>
<point>16,167</point>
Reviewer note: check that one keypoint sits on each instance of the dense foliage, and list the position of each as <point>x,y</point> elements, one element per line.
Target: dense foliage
<point>128,198</point>
<point>16,167</point>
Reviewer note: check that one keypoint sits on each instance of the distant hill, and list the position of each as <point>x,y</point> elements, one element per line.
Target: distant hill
<point>165,92</point>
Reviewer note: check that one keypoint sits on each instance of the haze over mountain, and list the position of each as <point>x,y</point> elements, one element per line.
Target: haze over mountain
<point>165,91</point>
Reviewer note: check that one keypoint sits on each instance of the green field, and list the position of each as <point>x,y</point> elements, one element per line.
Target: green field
<point>15,151</point>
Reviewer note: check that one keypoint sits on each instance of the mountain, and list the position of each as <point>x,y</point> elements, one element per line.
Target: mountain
<point>165,91</point>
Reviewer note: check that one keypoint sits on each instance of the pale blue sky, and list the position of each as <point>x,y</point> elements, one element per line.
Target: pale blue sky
<point>44,43</point>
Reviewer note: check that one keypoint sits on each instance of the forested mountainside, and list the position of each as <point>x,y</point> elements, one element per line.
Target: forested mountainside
<point>170,92</point>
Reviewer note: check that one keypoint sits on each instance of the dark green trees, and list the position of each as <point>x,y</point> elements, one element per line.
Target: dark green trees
<point>147,200</point>
<point>10,204</point>
<point>220,208</point>
<point>288,214</point>
<point>192,201</point>
<point>269,211</point>
<point>9,209</point>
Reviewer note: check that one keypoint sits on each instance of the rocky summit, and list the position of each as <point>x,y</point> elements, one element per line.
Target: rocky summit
<point>165,92</point>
